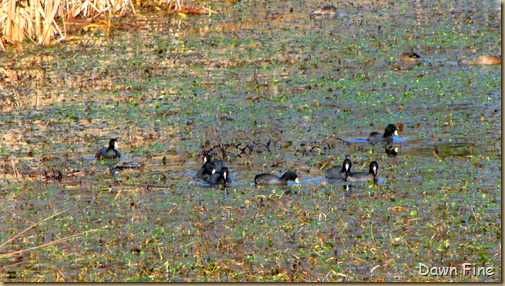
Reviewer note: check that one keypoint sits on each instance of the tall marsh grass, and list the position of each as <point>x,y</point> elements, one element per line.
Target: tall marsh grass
<point>43,21</point>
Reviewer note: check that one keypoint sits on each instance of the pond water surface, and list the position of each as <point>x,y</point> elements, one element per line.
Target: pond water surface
<point>266,88</point>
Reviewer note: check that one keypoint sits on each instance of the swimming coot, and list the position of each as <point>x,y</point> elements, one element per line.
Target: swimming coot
<point>364,176</point>
<point>206,171</point>
<point>218,163</point>
<point>337,172</point>
<point>376,137</point>
<point>110,152</point>
<point>270,179</point>
<point>220,178</point>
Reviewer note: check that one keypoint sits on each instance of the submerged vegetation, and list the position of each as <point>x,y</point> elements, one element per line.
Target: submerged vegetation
<point>268,89</point>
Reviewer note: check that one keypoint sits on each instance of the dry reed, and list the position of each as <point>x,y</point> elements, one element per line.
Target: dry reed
<point>40,20</point>
<point>74,236</point>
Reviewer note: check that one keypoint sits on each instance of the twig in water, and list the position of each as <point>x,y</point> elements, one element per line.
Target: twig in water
<point>47,244</point>
<point>30,227</point>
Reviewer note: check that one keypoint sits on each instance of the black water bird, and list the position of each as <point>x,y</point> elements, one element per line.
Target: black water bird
<point>337,172</point>
<point>364,176</point>
<point>218,163</point>
<point>206,171</point>
<point>270,179</point>
<point>110,152</point>
<point>376,137</point>
<point>220,178</point>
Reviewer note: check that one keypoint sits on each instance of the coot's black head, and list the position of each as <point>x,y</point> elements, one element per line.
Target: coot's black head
<point>390,130</point>
<point>346,167</point>
<point>209,168</point>
<point>206,158</point>
<point>113,144</point>
<point>225,172</point>
<point>374,168</point>
<point>290,176</point>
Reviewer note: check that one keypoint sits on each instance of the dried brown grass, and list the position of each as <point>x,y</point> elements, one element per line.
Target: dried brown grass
<point>43,21</point>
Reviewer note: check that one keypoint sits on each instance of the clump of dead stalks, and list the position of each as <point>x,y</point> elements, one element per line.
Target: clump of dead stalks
<point>43,21</point>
